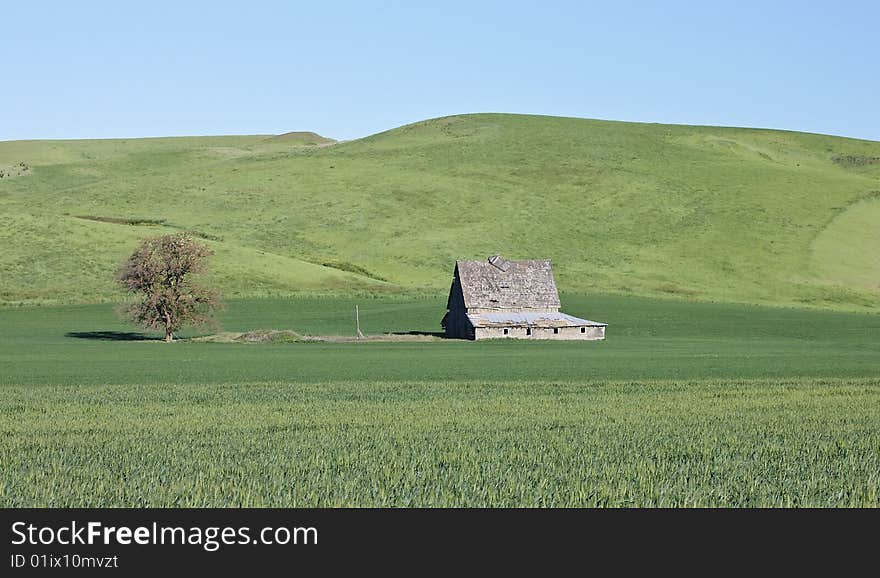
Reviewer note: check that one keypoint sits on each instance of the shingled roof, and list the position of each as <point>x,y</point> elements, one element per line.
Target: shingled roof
<point>500,284</point>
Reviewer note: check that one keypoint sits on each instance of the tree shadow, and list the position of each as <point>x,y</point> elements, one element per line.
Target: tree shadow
<point>428,333</point>
<point>112,336</point>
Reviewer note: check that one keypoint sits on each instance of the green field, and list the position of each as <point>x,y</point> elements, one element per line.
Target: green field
<point>738,270</point>
<point>648,339</point>
<point>684,404</point>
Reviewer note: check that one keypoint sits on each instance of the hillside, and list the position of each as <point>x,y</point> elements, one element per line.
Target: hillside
<point>699,213</point>
<point>304,138</point>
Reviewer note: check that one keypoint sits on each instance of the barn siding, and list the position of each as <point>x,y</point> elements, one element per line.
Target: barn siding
<point>565,333</point>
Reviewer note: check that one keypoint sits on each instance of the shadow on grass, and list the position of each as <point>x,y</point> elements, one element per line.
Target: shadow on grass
<point>112,336</point>
<point>428,333</point>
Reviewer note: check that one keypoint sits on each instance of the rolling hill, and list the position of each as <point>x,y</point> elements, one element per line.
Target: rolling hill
<point>700,213</point>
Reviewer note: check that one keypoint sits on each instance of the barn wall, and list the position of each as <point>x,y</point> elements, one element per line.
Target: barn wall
<point>565,333</point>
<point>518,310</point>
<point>498,333</point>
<point>575,333</point>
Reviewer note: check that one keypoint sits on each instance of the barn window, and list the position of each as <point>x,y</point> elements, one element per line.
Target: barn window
<point>528,330</point>
<point>583,329</point>
<point>506,331</point>
<point>555,331</point>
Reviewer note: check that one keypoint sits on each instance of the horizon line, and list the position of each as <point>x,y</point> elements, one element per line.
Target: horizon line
<point>269,135</point>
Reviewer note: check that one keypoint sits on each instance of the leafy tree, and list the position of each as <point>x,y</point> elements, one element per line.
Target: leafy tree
<point>161,273</point>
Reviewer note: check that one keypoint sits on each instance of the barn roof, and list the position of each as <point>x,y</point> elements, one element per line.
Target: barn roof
<point>497,283</point>
<point>511,319</point>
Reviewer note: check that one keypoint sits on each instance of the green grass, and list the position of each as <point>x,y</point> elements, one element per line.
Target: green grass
<point>696,213</point>
<point>591,443</point>
<point>657,230</point>
<point>846,261</point>
<point>684,404</point>
<point>647,339</point>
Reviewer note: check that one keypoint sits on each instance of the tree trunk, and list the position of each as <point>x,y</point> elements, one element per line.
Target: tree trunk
<point>169,334</point>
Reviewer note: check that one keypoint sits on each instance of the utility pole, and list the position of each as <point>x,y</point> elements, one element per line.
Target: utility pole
<point>357,318</point>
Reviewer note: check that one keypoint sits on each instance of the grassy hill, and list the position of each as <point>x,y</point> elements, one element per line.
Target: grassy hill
<point>303,138</point>
<point>699,213</point>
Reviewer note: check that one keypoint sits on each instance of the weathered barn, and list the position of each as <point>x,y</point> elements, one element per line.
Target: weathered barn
<point>498,298</point>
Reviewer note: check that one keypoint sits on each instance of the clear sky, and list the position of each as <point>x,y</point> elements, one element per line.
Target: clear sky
<point>89,69</point>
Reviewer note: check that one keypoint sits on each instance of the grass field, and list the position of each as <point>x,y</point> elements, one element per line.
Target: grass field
<point>737,269</point>
<point>647,339</point>
<point>684,404</point>
<point>698,213</point>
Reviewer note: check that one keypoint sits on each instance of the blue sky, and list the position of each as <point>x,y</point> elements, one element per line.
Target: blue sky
<point>348,69</point>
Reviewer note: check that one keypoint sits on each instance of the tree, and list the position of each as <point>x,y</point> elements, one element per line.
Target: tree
<point>161,273</point>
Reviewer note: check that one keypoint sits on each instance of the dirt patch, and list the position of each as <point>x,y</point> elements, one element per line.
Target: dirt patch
<point>853,161</point>
<point>287,336</point>
<point>269,336</point>
<point>20,169</point>
<point>385,337</point>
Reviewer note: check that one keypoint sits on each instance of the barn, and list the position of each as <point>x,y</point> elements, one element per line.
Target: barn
<point>497,298</point>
